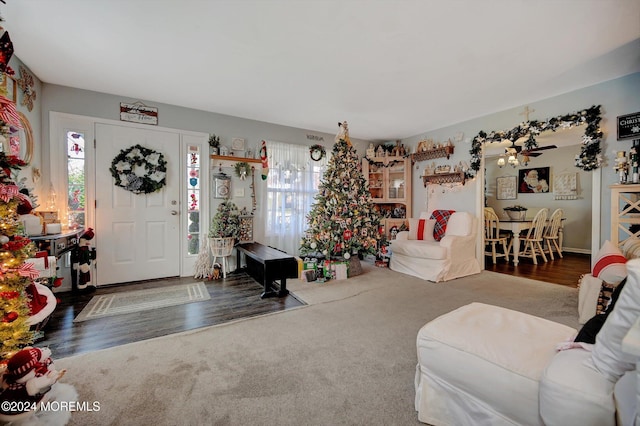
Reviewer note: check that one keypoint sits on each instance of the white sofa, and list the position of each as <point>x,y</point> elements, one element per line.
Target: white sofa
<point>452,257</point>
<point>487,365</point>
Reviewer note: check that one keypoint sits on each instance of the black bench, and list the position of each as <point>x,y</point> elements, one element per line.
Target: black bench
<point>267,265</point>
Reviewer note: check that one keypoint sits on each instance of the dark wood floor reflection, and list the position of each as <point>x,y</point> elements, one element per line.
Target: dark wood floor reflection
<point>565,271</point>
<point>237,296</point>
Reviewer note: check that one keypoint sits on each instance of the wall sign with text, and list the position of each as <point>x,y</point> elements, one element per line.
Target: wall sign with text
<point>629,126</point>
<point>138,113</point>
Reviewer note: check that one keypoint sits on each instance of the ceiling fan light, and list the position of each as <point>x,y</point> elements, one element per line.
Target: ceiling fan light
<point>501,161</point>
<point>513,160</point>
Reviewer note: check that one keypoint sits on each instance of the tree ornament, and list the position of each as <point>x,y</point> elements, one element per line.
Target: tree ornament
<point>139,170</point>
<point>346,235</point>
<point>10,317</point>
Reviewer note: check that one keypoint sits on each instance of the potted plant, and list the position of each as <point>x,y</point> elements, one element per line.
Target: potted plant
<point>214,143</point>
<point>224,230</point>
<point>516,212</point>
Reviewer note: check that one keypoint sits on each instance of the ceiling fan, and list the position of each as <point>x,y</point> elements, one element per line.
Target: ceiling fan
<point>513,151</point>
<point>534,152</point>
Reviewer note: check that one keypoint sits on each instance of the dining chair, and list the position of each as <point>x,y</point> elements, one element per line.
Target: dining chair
<point>535,237</point>
<point>492,236</point>
<point>551,234</point>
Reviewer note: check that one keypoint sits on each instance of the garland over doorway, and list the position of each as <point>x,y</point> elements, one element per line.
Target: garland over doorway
<point>139,170</point>
<point>589,157</point>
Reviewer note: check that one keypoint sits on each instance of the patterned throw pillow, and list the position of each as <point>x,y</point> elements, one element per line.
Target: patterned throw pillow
<point>441,217</point>
<point>610,264</point>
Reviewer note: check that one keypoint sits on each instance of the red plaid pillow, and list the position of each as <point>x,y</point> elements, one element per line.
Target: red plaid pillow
<point>441,217</point>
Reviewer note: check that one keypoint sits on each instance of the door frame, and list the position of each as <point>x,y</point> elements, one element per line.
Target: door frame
<point>59,121</point>
<point>596,214</point>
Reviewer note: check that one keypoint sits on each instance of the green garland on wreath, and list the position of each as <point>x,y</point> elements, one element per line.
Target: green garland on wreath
<point>589,157</point>
<point>317,152</point>
<point>242,169</point>
<point>139,170</point>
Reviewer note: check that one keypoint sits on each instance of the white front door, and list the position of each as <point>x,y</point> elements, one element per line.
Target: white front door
<point>137,235</point>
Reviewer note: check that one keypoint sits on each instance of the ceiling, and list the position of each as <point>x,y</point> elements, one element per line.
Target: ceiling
<point>392,69</point>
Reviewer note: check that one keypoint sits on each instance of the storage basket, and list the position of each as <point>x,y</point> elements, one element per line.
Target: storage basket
<point>516,215</point>
<point>221,247</point>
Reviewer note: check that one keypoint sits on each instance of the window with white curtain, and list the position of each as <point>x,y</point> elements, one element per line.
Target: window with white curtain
<point>292,183</point>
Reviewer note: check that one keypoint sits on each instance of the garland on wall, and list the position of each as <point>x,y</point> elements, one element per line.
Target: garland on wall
<point>139,170</point>
<point>589,157</point>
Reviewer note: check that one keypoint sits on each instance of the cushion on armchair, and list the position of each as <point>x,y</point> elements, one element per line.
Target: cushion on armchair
<point>460,224</point>
<point>609,264</point>
<point>421,229</point>
<point>442,218</point>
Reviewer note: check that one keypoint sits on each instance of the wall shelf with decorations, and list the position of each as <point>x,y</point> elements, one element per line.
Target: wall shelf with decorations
<point>430,154</point>
<point>235,159</point>
<point>389,183</point>
<point>440,178</point>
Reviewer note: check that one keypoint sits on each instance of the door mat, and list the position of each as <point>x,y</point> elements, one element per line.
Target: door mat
<point>142,300</point>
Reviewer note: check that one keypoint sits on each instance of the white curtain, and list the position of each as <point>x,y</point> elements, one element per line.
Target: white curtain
<point>292,184</point>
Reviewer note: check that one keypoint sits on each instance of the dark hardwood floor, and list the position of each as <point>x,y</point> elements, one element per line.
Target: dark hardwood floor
<point>232,298</point>
<point>565,271</point>
<point>237,296</point>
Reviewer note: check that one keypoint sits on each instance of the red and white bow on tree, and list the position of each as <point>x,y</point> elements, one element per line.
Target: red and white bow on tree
<point>9,113</point>
<point>28,270</point>
<point>7,192</point>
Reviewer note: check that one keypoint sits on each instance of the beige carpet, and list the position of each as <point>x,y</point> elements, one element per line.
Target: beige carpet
<point>347,358</point>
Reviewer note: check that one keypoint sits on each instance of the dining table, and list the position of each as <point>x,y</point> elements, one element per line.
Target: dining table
<point>516,226</point>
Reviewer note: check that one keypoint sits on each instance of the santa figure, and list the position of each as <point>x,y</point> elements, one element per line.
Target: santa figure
<point>81,261</point>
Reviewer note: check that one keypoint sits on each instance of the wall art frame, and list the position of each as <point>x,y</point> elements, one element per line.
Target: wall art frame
<point>506,187</point>
<point>534,181</point>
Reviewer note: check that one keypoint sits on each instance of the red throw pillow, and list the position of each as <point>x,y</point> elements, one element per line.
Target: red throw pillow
<point>441,217</point>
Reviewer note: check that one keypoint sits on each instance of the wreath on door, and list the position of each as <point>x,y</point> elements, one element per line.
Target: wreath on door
<point>139,170</point>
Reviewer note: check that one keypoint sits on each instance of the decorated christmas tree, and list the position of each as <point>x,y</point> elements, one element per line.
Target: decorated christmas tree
<point>342,220</point>
<point>15,275</point>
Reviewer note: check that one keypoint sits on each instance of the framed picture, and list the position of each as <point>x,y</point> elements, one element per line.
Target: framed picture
<point>506,187</point>
<point>9,85</point>
<point>533,181</point>
<point>221,186</point>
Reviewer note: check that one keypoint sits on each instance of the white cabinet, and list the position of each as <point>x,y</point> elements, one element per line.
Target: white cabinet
<point>625,213</point>
<point>389,182</point>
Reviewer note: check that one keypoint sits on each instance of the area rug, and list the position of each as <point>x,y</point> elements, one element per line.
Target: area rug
<point>142,300</point>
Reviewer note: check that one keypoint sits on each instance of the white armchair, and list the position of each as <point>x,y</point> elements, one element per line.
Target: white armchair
<point>452,257</point>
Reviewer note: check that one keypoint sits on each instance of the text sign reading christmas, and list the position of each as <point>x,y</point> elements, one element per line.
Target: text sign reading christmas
<point>629,126</point>
<point>137,113</point>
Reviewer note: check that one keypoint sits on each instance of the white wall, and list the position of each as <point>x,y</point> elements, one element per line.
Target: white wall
<point>617,97</point>
<point>94,104</point>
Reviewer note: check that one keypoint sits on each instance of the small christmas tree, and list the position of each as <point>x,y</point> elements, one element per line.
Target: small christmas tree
<point>342,220</point>
<point>226,221</point>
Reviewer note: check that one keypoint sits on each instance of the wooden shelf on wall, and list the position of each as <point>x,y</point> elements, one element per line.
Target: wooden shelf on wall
<point>441,178</point>
<point>236,159</point>
<point>444,151</point>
